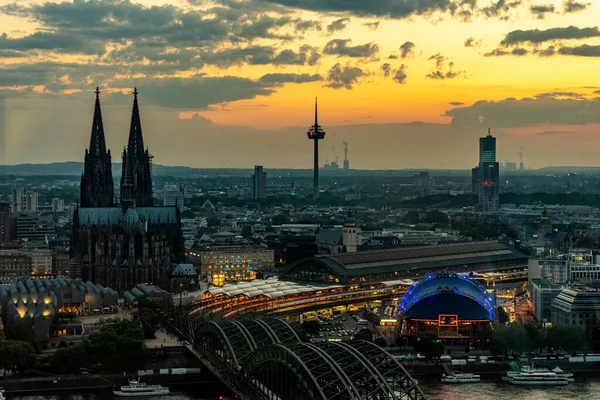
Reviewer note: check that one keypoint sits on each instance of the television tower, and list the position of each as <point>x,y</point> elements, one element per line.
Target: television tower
<point>316,133</point>
<point>346,161</point>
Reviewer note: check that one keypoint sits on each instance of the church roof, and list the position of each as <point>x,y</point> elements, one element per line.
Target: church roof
<point>115,215</point>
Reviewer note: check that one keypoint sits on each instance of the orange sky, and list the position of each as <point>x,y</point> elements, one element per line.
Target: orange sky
<point>148,48</point>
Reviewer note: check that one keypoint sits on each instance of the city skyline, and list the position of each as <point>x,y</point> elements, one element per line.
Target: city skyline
<point>232,83</point>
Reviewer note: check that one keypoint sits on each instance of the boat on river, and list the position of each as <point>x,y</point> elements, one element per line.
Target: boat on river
<point>139,389</point>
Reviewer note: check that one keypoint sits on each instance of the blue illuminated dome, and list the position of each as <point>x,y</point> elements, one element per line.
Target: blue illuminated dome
<point>448,293</point>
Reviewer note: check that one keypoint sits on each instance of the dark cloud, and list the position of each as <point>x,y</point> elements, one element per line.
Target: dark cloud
<point>305,26</point>
<point>199,92</point>
<point>387,69</point>
<point>381,8</point>
<point>340,76</point>
<point>337,25</point>
<point>572,6</point>
<point>500,9</point>
<point>472,42</point>
<point>89,27</point>
<point>393,57</point>
<point>539,11</point>
<point>60,42</point>
<point>278,78</point>
<point>528,111</point>
<point>400,75</point>
<point>440,65</point>
<point>372,25</point>
<point>581,51</point>
<point>501,52</point>
<point>547,52</point>
<point>554,95</point>
<point>536,36</point>
<point>407,49</point>
<point>342,48</point>
<point>456,103</point>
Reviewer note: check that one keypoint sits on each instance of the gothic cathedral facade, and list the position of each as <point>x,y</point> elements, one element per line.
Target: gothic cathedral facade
<point>125,243</point>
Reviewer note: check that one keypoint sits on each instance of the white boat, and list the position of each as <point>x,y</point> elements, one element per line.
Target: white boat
<point>536,378</point>
<point>460,378</point>
<point>138,389</point>
<point>569,375</point>
<point>508,375</point>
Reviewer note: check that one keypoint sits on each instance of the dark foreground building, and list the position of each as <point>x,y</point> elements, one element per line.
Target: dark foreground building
<point>123,245</point>
<point>406,263</point>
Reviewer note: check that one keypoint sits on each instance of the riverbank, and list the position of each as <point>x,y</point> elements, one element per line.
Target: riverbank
<point>34,385</point>
<point>587,370</point>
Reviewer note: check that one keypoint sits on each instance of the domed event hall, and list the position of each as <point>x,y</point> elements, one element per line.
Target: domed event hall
<point>452,305</point>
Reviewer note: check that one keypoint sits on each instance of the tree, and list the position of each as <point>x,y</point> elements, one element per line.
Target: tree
<point>412,217</point>
<point>310,327</point>
<point>381,342</point>
<point>16,355</point>
<point>401,341</point>
<point>247,231</point>
<point>503,315</point>
<point>280,219</point>
<point>149,321</point>
<point>428,344</point>
<point>364,334</point>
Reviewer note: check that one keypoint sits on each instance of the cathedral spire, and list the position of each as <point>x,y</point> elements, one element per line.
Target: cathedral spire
<point>97,189</point>
<point>135,145</point>
<point>97,140</point>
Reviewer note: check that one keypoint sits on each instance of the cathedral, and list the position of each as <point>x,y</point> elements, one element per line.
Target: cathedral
<point>125,243</point>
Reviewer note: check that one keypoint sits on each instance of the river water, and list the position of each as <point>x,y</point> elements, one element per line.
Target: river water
<point>584,389</point>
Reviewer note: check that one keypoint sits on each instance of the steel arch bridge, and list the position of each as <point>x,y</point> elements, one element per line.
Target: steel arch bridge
<point>265,360</point>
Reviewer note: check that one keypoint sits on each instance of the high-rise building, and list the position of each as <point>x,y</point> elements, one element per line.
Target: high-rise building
<point>58,205</point>
<point>24,200</point>
<point>5,222</point>
<point>475,180</point>
<point>173,195</point>
<point>259,183</point>
<point>15,265</point>
<point>489,174</point>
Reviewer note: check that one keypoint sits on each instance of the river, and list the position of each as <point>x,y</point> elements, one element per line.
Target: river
<point>584,389</point>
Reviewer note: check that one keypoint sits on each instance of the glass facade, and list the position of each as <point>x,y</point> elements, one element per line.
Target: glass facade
<point>489,175</point>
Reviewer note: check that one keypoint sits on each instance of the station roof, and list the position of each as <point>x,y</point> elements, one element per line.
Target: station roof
<point>414,258</point>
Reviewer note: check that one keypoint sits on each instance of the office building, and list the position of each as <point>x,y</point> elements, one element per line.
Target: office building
<point>173,195</point>
<point>543,293</point>
<point>41,262</point>
<point>34,226</point>
<point>489,174</point>
<point>220,264</point>
<point>259,183</point>
<point>14,264</point>
<point>577,306</point>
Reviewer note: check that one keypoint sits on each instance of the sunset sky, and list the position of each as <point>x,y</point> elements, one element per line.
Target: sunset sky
<point>231,83</point>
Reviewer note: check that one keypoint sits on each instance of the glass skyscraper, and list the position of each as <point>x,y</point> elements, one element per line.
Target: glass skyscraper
<point>489,174</point>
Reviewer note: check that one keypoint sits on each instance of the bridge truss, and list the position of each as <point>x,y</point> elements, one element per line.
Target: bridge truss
<point>265,360</point>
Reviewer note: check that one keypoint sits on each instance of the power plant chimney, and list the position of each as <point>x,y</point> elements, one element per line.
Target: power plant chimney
<point>346,161</point>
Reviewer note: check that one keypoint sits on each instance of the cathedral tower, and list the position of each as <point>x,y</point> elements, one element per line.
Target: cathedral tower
<point>97,188</point>
<point>136,179</point>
